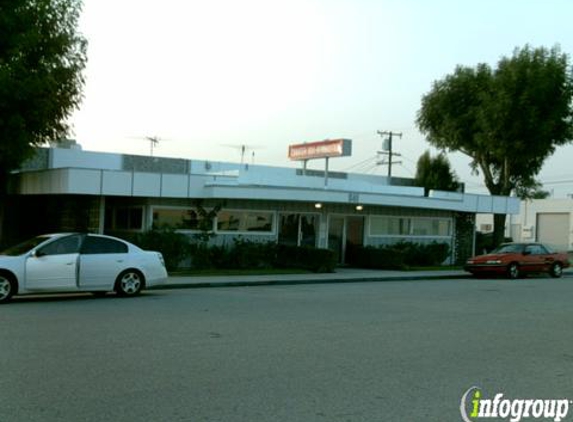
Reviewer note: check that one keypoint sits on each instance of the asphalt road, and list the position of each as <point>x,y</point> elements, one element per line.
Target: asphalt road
<point>388,351</point>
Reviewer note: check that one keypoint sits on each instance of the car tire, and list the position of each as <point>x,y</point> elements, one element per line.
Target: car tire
<point>129,283</point>
<point>7,288</point>
<point>513,271</point>
<point>556,270</point>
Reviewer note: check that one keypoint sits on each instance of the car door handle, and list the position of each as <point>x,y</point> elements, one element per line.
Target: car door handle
<point>119,260</point>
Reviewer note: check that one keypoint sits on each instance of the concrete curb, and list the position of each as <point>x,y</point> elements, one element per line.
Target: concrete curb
<point>286,282</point>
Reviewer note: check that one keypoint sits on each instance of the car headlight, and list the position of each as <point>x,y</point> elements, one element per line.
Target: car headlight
<point>470,261</point>
<point>493,261</point>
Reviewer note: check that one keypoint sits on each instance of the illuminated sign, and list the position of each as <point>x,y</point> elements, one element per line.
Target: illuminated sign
<point>321,149</point>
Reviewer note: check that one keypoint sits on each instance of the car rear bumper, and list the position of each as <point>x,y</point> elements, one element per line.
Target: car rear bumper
<point>159,278</point>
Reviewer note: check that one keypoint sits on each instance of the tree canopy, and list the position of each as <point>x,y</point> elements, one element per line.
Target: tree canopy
<point>435,173</point>
<point>42,56</point>
<point>507,119</point>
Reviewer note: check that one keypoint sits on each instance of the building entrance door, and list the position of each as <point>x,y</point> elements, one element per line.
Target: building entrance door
<point>345,234</point>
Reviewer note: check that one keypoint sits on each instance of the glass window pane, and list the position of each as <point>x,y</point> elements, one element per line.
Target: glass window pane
<point>108,222</point>
<point>258,222</point>
<point>136,218</point>
<point>308,230</point>
<point>288,229</point>
<point>389,226</point>
<point>228,221</point>
<point>431,227</point>
<point>422,227</point>
<point>122,218</point>
<point>444,227</point>
<point>66,245</point>
<point>245,221</point>
<point>102,245</point>
<point>179,218</point>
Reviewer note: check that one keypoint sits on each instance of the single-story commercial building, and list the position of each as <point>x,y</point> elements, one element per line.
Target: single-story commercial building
<point>71,189</point>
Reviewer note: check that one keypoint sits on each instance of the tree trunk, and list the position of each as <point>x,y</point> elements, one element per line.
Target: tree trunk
<point>498,229</point>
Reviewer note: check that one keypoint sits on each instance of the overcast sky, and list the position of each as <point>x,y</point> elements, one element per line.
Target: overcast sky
<point>205,76</point>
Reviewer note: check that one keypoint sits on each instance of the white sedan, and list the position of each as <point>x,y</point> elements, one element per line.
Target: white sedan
<point>74,262</point>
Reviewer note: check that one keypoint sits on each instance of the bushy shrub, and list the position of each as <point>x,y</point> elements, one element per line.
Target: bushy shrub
<point>242,254</point>
<point>401,255</point>
<point>249,254</point>
<point>309,258</point>
<point>419,254</point>
<point>173,246</point>
<point>378,258</point>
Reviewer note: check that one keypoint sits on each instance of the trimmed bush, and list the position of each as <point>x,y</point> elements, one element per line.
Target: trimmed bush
<point>420,255</point>
<point>242,254</point>
<point>249,254</point>
<point>309,258</point>
<point>378,258</point>
<point>400,255</point>
<point>173,246</point>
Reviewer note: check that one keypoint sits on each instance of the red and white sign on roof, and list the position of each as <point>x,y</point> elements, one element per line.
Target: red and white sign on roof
<point>321,149</point>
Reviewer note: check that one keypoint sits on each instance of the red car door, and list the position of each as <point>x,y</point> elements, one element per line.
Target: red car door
<point>536,258</point>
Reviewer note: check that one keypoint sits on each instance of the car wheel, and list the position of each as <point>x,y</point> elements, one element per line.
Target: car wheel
<point>513,271</point>
<point>129,283</point>
<point>7,289</point>
<point>556,270</point>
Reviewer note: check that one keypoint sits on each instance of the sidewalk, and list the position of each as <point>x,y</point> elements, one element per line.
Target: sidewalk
<point>342,275</point>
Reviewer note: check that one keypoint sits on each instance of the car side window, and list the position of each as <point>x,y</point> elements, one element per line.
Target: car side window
<point>65,245</point>
<point>535,250</point>
<point>102,245</point>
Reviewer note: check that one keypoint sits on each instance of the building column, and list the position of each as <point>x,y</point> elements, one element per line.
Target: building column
<point>101,220</point>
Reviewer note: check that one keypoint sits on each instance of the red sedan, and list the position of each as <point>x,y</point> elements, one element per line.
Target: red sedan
<point>516,259</point>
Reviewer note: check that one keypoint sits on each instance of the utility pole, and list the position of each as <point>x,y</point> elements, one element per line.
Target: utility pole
<point>387,149</point>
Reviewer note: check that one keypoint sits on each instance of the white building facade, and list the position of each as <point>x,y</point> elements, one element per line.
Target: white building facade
<point>71,189</point>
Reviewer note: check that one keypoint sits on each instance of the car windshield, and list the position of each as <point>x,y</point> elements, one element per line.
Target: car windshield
<point>508,248</point>
<point>24,247</point>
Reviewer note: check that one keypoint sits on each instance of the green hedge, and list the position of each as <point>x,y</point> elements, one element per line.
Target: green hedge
<point>173,246</point>
<point>313,259</point>
<point>378,258</point>
<point>400,255</point>
<point>246,254</point>
<point>242,254</point>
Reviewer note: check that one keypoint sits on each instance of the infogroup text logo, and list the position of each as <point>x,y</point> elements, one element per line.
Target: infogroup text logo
<point>475,407</point>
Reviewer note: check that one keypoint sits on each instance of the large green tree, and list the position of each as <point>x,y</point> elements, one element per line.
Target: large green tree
<point>42,56</point>
<point>507,119</point>
<point>435,173</point>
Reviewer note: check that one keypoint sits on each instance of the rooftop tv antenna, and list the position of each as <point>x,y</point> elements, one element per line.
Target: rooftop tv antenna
<point>153,141</point>
<point>243,149</point>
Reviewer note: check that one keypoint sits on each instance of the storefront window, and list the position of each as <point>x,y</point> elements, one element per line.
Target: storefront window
<point>413,226</point>
<point>124,218</point>
<point>178,218</point>
<point>389,226</point>
<point>431,227</point>
<point>298,229</point>
<point>245,221</point>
